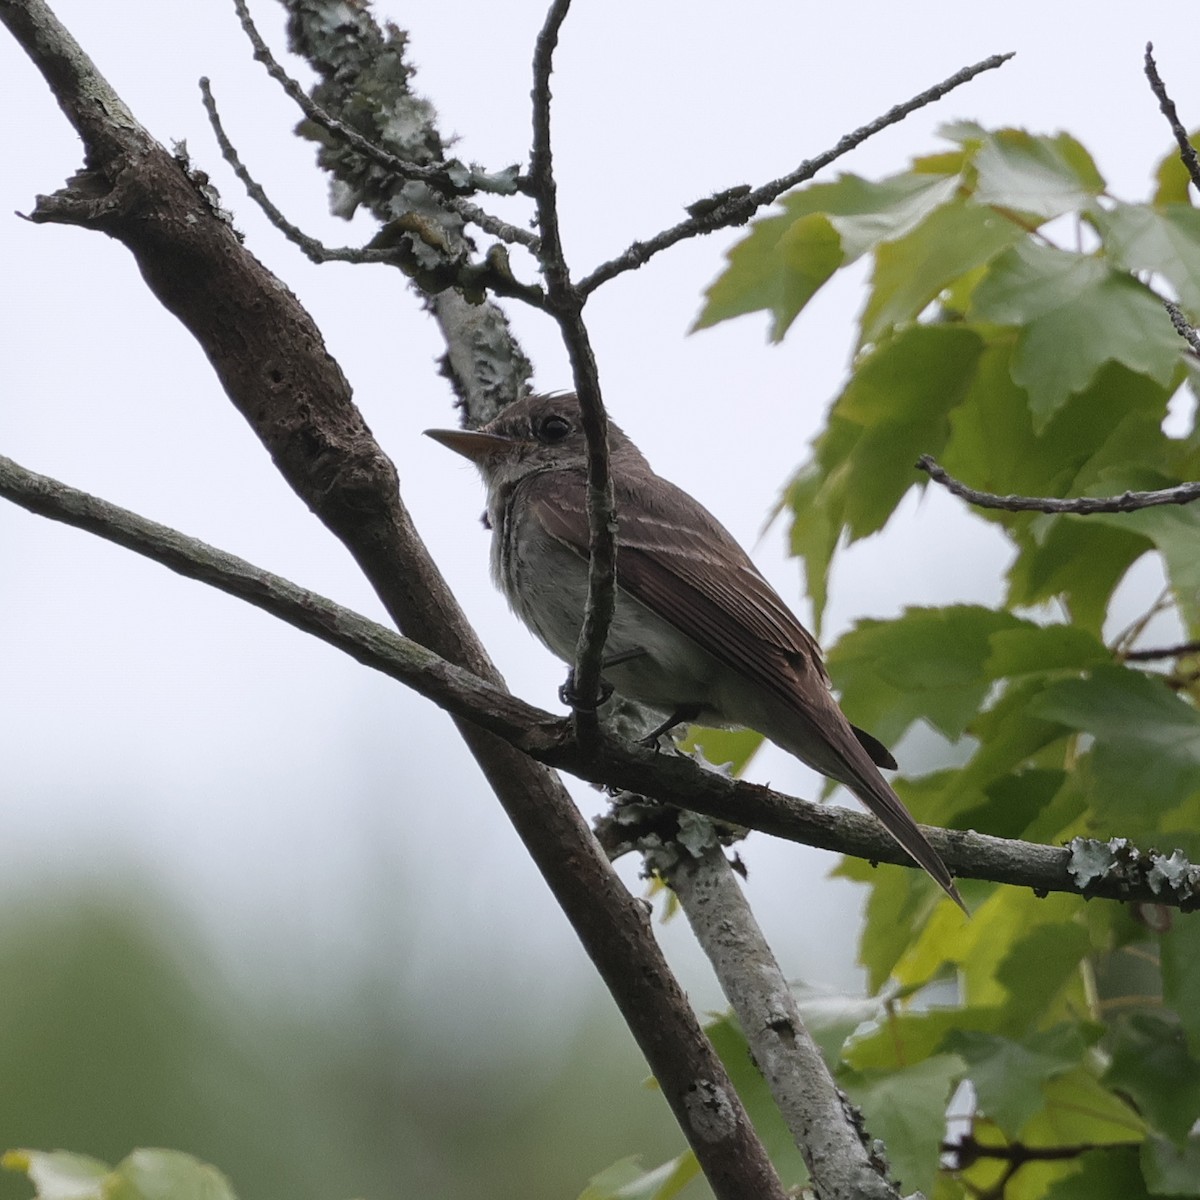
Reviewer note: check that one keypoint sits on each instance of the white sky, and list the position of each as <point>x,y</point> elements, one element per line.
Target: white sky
<point>299,805</point>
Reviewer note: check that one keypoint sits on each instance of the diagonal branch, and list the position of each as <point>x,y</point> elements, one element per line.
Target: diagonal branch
<point>827,1131</point>
<point>565,302</point>
<point>737,205</point>
<point>1113,870</point>
<point>1183,493</point>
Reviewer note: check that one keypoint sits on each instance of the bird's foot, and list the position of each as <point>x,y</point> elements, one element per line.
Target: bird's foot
<point>685,714</point>
<point>571,698</point>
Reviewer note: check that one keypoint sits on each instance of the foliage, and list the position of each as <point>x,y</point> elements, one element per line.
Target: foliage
<point>144,1175</point>
<point>1013,329</point>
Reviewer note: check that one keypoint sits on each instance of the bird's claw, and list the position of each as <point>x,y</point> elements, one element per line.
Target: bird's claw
<point>571,698</point>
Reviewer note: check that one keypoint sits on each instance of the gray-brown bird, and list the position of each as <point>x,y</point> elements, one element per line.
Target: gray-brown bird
<point>698,634</point>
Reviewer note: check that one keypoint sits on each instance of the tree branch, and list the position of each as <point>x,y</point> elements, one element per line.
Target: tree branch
<point>1187,152</point>
<point>736,205</point>
<point>492,274</point>
<point>364,80</point>
<point>1183,493</point>
<point>565,303</point>
<point>1151,655</point>
<point>1183,326</point>
<point>826,1128</point>
<point>1112,870</point>
<point>451,178</point>
<point>273,364</point>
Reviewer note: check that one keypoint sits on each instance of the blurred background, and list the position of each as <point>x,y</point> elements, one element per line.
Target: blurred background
<point>257,903</point>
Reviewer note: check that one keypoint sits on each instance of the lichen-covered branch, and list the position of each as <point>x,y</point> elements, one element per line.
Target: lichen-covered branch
<point>364,83</point>
<point>840,1159</point>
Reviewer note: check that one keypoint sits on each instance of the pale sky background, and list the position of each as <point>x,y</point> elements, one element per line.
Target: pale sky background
<point>296,803</point>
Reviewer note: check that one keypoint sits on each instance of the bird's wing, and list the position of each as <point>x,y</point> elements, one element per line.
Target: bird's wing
<point>680,562</point>
<point>675,558</point>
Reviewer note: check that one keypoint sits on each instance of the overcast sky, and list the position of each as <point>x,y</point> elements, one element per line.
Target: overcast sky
<point>297,803</point>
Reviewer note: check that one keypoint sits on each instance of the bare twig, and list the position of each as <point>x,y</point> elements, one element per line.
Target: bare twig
<point>315,250</point>
<point>1113,870</point>
<point>565,303</point>
<point>1187,152</point>
<point>737,205</point>
<point>1159,652</point>
<point>1184,493</point>
<point>969,1150</point>
<point>489,223</point>
<point>492,274</point>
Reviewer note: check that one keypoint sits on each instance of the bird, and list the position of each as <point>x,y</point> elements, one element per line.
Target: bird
<point>698,634</point>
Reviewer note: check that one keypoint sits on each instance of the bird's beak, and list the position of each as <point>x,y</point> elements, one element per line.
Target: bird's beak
<point>470,443</point>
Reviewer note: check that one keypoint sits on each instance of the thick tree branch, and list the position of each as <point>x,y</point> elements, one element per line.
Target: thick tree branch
<point>1113,870</point>
<point>1184,493</point>
<point>736,205</point>
<point>1187,152</point>
<point>565,304</point>
<point>272,362</point>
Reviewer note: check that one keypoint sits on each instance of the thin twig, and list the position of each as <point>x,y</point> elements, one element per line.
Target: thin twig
<point>451,179</point>
<point>492,274</point>
<point>1187,152</point>
<point>1159,652</point>
<point>492,224</point>
<point>565,303</point>
<point>1183,493</point>
<point>969,1150</point>
<point>737,205</point>
<point>317,251</point>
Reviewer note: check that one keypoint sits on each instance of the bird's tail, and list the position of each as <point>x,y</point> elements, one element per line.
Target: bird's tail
<point>879,797</point>
<point>835,748</point>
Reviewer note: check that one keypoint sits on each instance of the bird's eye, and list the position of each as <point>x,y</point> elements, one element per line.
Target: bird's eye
<point>552,428</point>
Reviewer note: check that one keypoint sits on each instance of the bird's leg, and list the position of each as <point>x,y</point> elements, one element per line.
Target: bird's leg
<point>567,693</point>
<point>684,714</point>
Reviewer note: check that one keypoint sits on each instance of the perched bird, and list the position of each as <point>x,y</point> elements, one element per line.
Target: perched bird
<point>698,633</point>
